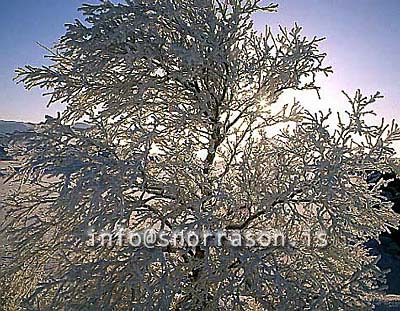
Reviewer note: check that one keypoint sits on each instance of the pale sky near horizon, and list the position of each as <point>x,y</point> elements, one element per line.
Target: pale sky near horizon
<point>362,44</point>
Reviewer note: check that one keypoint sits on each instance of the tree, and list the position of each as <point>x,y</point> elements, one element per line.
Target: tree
<point>180,97</point>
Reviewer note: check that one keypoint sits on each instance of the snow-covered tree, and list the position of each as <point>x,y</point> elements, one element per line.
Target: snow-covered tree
<point>184,134</point>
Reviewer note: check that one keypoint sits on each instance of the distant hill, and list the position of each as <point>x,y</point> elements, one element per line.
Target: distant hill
<point>10,127</point>
<point>7,128</point>
<point>81,126</point>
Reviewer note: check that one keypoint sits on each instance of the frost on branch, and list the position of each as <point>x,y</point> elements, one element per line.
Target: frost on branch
<point>178,95</point>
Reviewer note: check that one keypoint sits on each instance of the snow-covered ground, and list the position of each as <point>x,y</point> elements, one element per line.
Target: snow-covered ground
<point>388,303</point>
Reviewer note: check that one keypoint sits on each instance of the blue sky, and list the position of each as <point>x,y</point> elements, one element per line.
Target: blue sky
<point>363,46</point>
